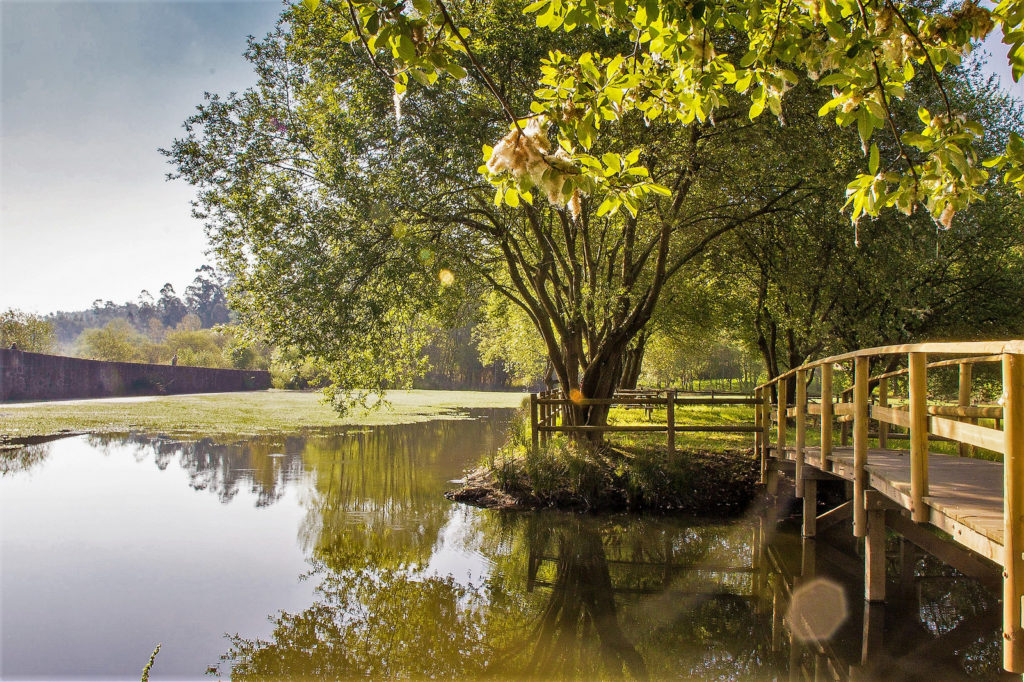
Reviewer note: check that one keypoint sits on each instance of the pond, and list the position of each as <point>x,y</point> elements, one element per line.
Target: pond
<point>337,556</point>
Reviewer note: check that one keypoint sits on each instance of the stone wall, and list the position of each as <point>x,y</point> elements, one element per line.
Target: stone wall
<point>34,376</point>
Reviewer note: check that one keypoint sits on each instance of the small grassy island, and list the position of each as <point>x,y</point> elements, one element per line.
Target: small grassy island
<point>710,474</point>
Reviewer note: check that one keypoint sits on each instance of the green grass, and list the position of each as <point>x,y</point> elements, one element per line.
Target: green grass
<point>233,414</point>
<point>692,415</point>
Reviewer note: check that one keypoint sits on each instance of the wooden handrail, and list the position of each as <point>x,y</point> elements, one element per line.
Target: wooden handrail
<point>967,348</point>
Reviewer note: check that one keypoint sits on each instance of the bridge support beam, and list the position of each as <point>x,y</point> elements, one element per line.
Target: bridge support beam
<point>810,520</point>
<point>874,557</point>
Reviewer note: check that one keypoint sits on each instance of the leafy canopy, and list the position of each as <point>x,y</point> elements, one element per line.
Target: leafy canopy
<point>684,60</point>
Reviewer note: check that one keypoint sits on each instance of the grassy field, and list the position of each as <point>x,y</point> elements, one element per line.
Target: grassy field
<point>232,414</point>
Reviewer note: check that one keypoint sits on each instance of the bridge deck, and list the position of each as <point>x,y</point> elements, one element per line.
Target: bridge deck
<point>966,494</point>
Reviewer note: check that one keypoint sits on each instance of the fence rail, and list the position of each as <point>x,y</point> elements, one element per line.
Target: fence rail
<point>549,410</point>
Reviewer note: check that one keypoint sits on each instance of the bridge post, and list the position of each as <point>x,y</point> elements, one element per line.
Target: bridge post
<point>883,401</point>
<point>801,428</point>
<point>826,414</point>
<point>766,418</point>
<point>860,446</point>
<point>918,436</point>
<point>964,399</point>
<point>1013,511</point>
<point>780,441</point>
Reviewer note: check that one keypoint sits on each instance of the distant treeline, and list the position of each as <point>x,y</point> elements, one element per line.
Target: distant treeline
<point>199,329</point>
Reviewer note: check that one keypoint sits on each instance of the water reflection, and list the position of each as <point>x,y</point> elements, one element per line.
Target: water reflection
<point>400,582</point>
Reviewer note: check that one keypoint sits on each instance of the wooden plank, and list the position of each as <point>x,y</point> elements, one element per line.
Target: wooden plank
<point>601,401</point>
<point>974,411</point>
<point>631,400</point>
<point>730,428</point>
<point>834,516</point>
<point>715,401</point>
<point>948,552</point>
<point>708,428</point>
<point>891,415</point>
<point>616,427</point>
<point>842,409</point>
<point>935,348</point>
<point>972,434</point>
<point>966,499</point>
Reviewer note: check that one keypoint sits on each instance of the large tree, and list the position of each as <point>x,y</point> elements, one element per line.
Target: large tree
<point>344,225</point>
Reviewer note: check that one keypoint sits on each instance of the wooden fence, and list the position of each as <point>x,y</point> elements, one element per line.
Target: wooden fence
<point>921,420</point>
<point>548,414</point>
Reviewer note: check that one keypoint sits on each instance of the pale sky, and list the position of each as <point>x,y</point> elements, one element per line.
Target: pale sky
<point>88,92</point>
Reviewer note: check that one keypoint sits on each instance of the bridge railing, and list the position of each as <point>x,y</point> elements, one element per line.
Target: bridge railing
<point>958,423</point>
<point>548,414</point>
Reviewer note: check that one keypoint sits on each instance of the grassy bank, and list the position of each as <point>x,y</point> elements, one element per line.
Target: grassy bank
<point>232,414</point>
<point>710,474</point>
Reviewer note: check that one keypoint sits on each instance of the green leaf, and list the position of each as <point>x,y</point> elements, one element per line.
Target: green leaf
<point>311,5</point>
<point>456,71</point>
<point>512,197</point>
<point>756,108</point>
<point>406,48</point>
<point>424,7</point>
<point>607,206</point>
<point>873,162</point>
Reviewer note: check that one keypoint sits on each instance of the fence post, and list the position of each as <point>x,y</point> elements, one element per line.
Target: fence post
<point>533,421</point>
<point>801,428</point>
<point>918,436</point>
<point>964,399</point>
<point>670,414</point>
<point>826,414</point>
<point>883,401</point>
<point>780,445</point>
<point>1013,511</point>
<point>759,435</point>
<point>860,446</point>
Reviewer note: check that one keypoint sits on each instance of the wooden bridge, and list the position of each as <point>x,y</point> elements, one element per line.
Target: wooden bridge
<point>978,503</point>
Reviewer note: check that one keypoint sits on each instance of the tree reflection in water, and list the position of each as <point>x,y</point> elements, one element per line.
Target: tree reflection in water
<point>600,580</point>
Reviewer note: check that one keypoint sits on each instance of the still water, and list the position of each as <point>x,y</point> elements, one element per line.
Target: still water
<point>337,556</point>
